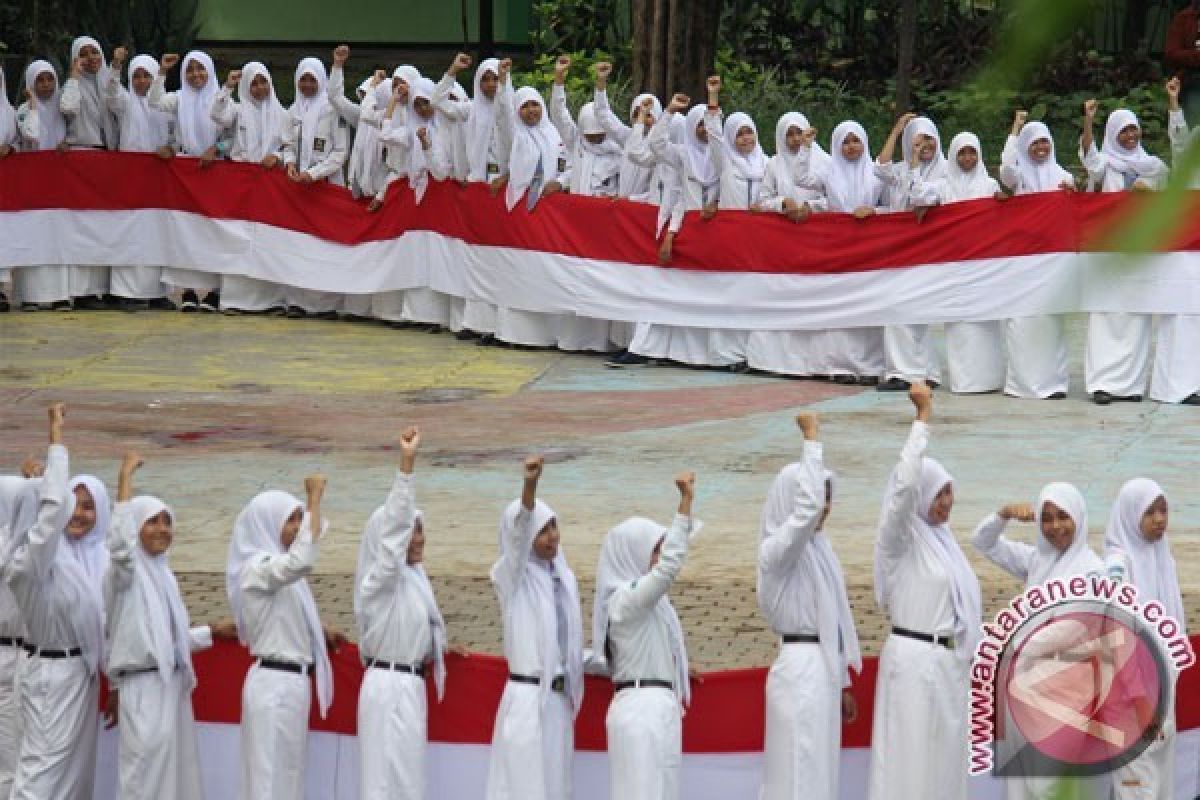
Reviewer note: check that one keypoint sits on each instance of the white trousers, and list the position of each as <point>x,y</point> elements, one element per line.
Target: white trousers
<point>919,745</point>
<point>11,660</point>
<point>275,707</point>
<point>313,302</point>
<point>1037,357</point>
<point>47,284</point>
<point>479,316</point>
<point>802,746</point>
<point>700,347</point>
<point>584,334</point>
<point>529,328</point>
<point>1150,776</point>
<point>137,283</point>
<point>1117,356</point>
<point>909,353</point>
<point>1176,367</point>
<point>388,306</point>
<point>533,746</point>
<point>427,307</point>
<point>358,305</point>
<point>848,351</point>
<point>59,716</point>
<point>975,356</point>
<point>645,744</point>
<point>159,759</point>
<point>251,294</point>
<point>392,734</point>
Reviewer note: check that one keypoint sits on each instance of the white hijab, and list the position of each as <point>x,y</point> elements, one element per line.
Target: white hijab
<point>310,109</point>
<point>964,585</point>
<point>967,185</point>
<point>632,175</point>
<point>1078,559</point>
<point>699,161</point>
<point>418,160</point>
<point>541,585</point>
<point>595,163</point>
<point>368,552</point>
<point>157,596</point>
<point>818,567</point>
<point>531,145</point>
<point>928,171</point>
<point>851,184</point>
<point>481,123</point>
<point>263,121</point>
<point>197,131</point>
<point>91,92</point>
<point>624,558</point>
<point>146,128</point>
<point>52,127</point>
<point>8,115</point>
<point>257,535</point>
<point>784,162</point>
<point>1034,177</point>
<point>80,565</point>
<point>752,167</point>
<point>1135,163</point>
<point>1151,563</point>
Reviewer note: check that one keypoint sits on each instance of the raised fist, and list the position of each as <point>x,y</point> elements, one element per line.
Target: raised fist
<point>713,84</point>
<point>119,56</point>
<point>314,486</point>
<point>235,75</point>
<point>533,467</point>
<point>679,102</point>
<point>341,54</point>
<point>1090,107</point>
<point>168,62</point>
<point>685,482</point>
<point>807,422</point>
<point>602,69</point>
<point>461,61</point>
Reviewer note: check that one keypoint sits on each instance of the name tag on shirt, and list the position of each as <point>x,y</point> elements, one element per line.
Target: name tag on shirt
<point>341,122</point>
<point>493,169</point>
<point>319,145</point>
<point>562,164</point>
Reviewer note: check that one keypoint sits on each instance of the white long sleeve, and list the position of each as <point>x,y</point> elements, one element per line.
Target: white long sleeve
<point>1014,558</point>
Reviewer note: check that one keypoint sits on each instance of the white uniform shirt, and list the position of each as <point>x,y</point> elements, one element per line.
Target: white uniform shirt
<point>518,602</point>
<point>276,626</point>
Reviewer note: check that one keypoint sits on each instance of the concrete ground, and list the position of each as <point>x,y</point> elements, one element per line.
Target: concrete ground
<point>222,407</point>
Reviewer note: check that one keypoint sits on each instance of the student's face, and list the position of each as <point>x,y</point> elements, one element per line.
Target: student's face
<point>423,107</point>
<point>594,138</point>
<point>745,140</point>
<point>926,147</point>
<point>141,82</point>
<point>1039,151</point>
<point>489,83</point>
<point>828,506</point>
<point>1129,137</point>
<point>656,553</point>
<point>43,85</point>
<point>290,528</point>
<point>196,75</point>
<point>400,87</point>
<point>260,88</point>
<point>942,505</point>
<point>1154,522</point>
<point>1057,527</point>
<point>793,138</point>
<point>307,85</point>
<point>91,59</point>
<point>531,112</point>
<point>545,544</point>
<point>416,545</point>
<point>852,147</point>
<point>968,158</point>
<point>702,133</point>
<point>156,534</point>
<point>84,518</point>
<point>643,116</point>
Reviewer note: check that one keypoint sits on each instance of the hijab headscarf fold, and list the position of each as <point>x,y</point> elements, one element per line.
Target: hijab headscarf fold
<point>310,109</point>
<point>368,552</point>
<point>481,123</point>
<point>52,126</point>
<point>1078,558</point>
<point>851,184</point>
<point>784,162</point>
<point>624,558</point>
<point>656,108</point>
<point>532,145</point>
<point>964,585</point>
<point>1046,176</point>
<point>934,169</point>
<point>595,162</point>
<point>8,115</point>
<point>1132,163</point>
<point>818,567</point>
<point>91,92</point>
<point>418,167</point>
<point>967,185</point>
<point>263,121</point>
<point>700,162</point>
<point>146,128</point>
<point>1151,563</point>
<point>80,564</point>
<point>258,535</point>
<point>197,131</point>
<point>539,581</point>
<point>751,167</point>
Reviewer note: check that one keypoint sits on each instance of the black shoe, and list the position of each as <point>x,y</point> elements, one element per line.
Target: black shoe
<point>868,380</point>
<point>1059,396</point>
<point>211,303</point>
<point>845,380</point>
<point>1192,399</point>
<point>627,359</point>
<point>1102,398</point>
<point>162,304</point>
<point>4,306</point>
<point>190,303</point>
<point>487,340</point>
<point>89,303</point>
<point>326,315</point>
<point>276,311</point>
<point>739,368</point>
<point>932,384</point>
<point>296,312</point>
<point>130,304</point>
<point>61,305</point>
<point>33,307</point>
<point>466,334</point>
<point>894,385</point>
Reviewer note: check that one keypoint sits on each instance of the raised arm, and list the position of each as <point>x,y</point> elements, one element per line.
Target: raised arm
<point>1009,175</point>
<point>560,114</point>
<point>158,97</point>
<point>894,530</point>
<point>223,109</point>
<point>114,95</point>
<point>272,573</point>
<point>715,125</point>
<point>506,114</point>
<point>38,555</point>
<point>1015,558</point>
<point>336,88</point>
<point>888,153</point>
<point>1177,127</point>
<point>395,522</point>
<point>71,100</point>
<point>612,124</point>
<point>808,506</point>
<point>659,140</point>
<point>507,572</point>
<point>456,110</point>
<point>122,537</point>
<point>646,591</point>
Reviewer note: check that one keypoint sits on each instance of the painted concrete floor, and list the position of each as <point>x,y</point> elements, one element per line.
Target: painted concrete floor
<point>222,407</point>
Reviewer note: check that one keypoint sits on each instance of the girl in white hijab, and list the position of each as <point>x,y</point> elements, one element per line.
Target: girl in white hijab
<point>258,122</point>
<point>89,120</point>
<point>919,740</point>
<point>637,638</point>
<point>41,126</point>
<point>401,634</point>
<point>18,511</point>
<point>143,129</point>
<point>55,570</point>
<point>1137,548</point>
<point>9,140</point>
<point>636,179</point>
<point>974,350</point>
<point>1117,356</point>
<point>198,136</point>
<point>802,594</point>
<point>150,644</point>
<point>1036,346</point>
<point>273,549</point>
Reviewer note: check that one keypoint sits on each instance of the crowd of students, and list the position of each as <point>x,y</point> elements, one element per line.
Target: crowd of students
<point>87,589</point>
<point>681,158</point>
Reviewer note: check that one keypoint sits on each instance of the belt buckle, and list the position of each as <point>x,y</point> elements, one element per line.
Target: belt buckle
<point>949,642</point>
<point>559,683</point>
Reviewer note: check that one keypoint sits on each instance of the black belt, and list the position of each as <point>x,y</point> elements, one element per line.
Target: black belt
<point>944,641</point>
<point>559,683</point>
<point>644,683</point>
<point>411,669</point>
<point>285,666</point>
<point>125,673</point>
<point>801,638</point>
<point>32,649</point>
<point>11,641</point>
